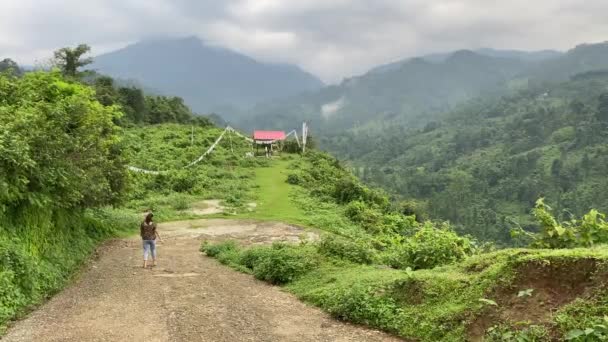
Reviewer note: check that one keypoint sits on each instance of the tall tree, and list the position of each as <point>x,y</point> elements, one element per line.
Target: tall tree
<point>105,91</point>
<point>70,59</point>
<point>9,65</point>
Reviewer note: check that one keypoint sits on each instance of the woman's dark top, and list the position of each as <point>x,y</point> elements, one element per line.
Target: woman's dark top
<point>148,231</point>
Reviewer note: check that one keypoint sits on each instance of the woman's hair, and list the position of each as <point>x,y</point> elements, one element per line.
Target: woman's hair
<point>149,217</point>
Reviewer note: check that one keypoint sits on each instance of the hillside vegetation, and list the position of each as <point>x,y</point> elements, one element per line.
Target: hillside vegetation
<point>378,267</point>
<point>60,163</point>
<point>496,157</point>
<point>490,131</point>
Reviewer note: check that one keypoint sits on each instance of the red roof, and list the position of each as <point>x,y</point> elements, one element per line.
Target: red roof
<point>268,135</point>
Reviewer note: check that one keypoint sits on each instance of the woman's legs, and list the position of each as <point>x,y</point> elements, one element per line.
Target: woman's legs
<point>146,246</point>
<point>153,251</point>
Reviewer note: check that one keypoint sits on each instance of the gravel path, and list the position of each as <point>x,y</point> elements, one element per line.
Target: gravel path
<point>188,297</point>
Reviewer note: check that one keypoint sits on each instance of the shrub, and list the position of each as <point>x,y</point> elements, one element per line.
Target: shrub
<point>414,208</point>
<point>252,256</point>
<point>348,189</point>
<point>397,223</point>
<point>357,251</point>
<point>283,263</point>
<point>213,250</point>
<point>360,304</point>
<point>368,218</point>
<point>592,229</point>
<point>430,247</point>
<point>183,181</point>
<point>180,202</point>
<point>294,178</point>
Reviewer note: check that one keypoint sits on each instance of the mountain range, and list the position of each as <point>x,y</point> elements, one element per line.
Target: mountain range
<point>415,91</point>
<point>207,77</point>
<point>407,93</point>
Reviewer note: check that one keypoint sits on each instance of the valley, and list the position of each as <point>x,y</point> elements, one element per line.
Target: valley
<point>452,197</point>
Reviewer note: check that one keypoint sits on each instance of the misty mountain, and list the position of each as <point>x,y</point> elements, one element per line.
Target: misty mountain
<point>413,92</point>
<point>525,56</point>
<point>416,91</point>
<point>206,77</point>
<point>581,59</point>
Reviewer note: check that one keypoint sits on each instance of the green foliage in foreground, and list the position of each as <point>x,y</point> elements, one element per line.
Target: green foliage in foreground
<point>277,264</point>
<point>59,147</point>
<point>591,230</point>
<point>40,249</point>
<point>60,156</point>
<point>442,304</point>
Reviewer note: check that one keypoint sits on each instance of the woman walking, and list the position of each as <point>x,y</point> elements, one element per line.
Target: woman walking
<point>149,234</point>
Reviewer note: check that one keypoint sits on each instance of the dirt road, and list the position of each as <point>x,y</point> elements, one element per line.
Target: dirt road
<point>188,297</point>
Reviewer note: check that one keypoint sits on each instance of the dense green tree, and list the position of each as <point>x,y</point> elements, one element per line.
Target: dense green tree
<point>133,101</point>
<point>59,146</point>
<point>69,60</point>
<point>8,65</point>
<point>105,90</point>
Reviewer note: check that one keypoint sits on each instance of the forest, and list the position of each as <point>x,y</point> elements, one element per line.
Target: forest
<point>496,156</point>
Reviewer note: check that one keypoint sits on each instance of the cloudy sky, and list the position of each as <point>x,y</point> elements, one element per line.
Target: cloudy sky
<point>330,38</point>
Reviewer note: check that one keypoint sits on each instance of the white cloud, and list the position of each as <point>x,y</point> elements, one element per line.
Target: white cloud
<point>329,109</point>
<point>331,38</point>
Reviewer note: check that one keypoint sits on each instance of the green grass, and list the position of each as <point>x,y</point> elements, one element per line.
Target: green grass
<point>274,196</point>
<point>278,200</point>
<point>441,304</point>
<point>273,193</point>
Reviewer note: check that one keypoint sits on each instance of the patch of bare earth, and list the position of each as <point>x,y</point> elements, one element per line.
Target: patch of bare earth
<point>187,297</point>
<point>549,286</point>
<point>207,207</point>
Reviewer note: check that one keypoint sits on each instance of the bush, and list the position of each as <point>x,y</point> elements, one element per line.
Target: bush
<point>347,190</point>
<point>213,250</point>
<point>399,224</point>
<point>360,304</point>
<point>252,256</point>
<point>183,181</point>
<point>180,202</point>
<point>368,218</point>
<point>591,230</point>
<point>294,179</point>
<point>357,251</point>
<point>58,145</point>
<point>414,208</point>
<point>430,247</point>
<point>283,263</point>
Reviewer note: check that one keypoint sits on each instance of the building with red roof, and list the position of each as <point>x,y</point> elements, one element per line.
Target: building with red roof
<point>271,141</point>
<point>268,136</point>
